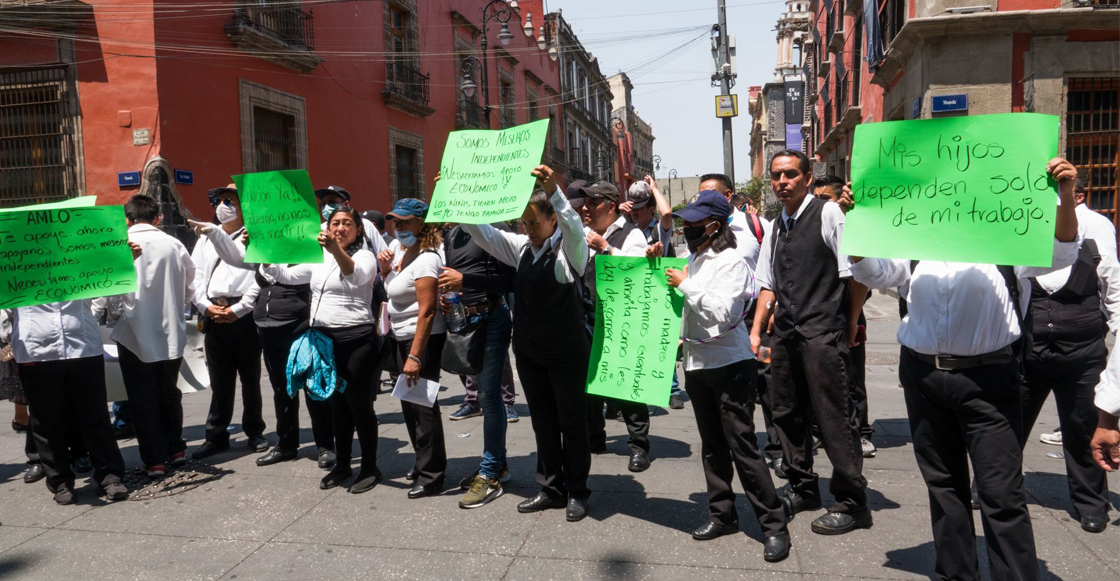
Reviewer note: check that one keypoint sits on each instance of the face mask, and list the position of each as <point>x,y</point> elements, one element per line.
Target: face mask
<point>329,209</point>
<point>226,214</point>
<point>406,238</point>
<point>695,236</point>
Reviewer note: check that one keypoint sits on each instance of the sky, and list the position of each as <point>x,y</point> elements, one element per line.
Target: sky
<point>672,89</point>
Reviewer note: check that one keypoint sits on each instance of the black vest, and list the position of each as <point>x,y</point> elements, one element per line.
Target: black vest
<point>616,240</point>
<point>812,299</point>
<point>281,304</point>
<point>1069,326</point>
<point>547,315</point>
<point>653,236</point>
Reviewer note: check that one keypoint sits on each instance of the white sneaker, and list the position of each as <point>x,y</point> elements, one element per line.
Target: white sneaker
<point>1053,438</point>
<point>869,449</point>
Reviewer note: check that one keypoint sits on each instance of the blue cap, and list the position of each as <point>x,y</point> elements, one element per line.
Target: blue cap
<point>706,204</point>
<point>409,207</point>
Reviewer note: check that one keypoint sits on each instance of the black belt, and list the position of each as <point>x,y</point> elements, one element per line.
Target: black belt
<point>225,301</point>
<point>954,363</point>
<point>482,307</point>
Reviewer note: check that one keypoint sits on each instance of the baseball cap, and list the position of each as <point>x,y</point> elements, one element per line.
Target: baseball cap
<point>376,218</point>
<point>601,189</point>
<point>707,204</point>
<point>336,190</point>
<point>575,189</point>
<point>409,207</point>
<point>640,195</point>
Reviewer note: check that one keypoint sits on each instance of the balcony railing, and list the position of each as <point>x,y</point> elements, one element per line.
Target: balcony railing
<point>287,23</point>
<point>407,81</point>
<point>471,116</point>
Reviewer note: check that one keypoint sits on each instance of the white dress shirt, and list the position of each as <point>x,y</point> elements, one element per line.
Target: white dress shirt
<point>508,247</point>
<point>1108,390</point>
<point>655,233</point>
<point>1108,270</point>
<point>634,244</point>
<point>337,301</point>
<point>55,331</point>
<point>716,297</point>
<point>832,231</point>
<point>215,278</point>
<point>153,319</point>
<point>957,308</point>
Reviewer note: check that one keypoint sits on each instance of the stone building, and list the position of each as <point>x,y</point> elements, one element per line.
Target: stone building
<point>638,133</point>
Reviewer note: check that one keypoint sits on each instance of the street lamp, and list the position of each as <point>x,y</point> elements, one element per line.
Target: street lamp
<point>500,11</point>
<point>656,164</point>
<point>672,174</point>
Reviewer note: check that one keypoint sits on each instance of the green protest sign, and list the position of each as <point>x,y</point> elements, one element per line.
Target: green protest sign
<point>484,175</point>
<point>960,189</point>
<point>79,202</point>
<point>64,254</point>
<point>281,216</point>
<point>637,326</point>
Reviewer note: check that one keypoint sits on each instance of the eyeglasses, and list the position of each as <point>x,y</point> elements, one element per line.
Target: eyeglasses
<point>228,203</point>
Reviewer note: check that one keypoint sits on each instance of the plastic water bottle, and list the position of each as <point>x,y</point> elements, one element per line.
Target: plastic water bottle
<point>456,316</point>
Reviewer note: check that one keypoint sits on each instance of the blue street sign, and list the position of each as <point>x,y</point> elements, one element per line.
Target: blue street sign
<point>128,178</point>
<point>946,103</point>
<point>183,176</point>
<point>916,108</point>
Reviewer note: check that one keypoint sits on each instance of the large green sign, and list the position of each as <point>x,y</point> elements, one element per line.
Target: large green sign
<point>484,175</point>
<point>281,216</point>
<point>79,202</point>
<point>637,327</point>
<point>961,189</point>
<point>63,254</point>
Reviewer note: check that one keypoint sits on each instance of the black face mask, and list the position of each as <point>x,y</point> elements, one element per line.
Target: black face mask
<point>695,236</point>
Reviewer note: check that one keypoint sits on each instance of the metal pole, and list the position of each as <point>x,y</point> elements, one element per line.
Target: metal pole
<point>725,89</point>
<point>485,76</point>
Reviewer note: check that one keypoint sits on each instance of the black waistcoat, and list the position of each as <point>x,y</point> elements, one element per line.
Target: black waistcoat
<point>812,299</point>
<point>281,304</point>
<point>617,239</point>
<point>1069,325</point>
<point>547,315</point>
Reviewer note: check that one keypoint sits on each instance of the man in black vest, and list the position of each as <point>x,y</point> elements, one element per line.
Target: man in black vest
<point>805,281</point>
<point>611,234</point>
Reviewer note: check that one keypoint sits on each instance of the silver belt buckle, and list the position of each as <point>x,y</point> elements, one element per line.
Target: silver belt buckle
<point>937,364</point>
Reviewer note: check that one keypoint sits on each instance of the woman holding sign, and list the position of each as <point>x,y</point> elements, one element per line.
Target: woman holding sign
<point>720,372</point>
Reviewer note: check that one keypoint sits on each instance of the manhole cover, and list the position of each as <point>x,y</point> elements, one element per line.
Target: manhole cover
<point>177,481</point>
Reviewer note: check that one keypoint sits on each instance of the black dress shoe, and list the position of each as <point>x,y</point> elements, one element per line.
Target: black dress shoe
<point>712,530</point>
<point>1092,524</point>
<point>258,443</point>
<point>776,466</point>
<point>639,461</point>
<point>34,474</point>
<point>795,503</point>
<point>335,477</point>
<point>420,491</point>
<point>208,449</point>
<point>838,523</point>
<point>776,548</point>
<point>539,502</point>
<point>365,482</point>
<point>327,459</point>
<point>276,456</point>
<point>20,428</point>
<point>412,474</point>
<point>83,465</point>
<point>577,510</point>
<point>64,494</point>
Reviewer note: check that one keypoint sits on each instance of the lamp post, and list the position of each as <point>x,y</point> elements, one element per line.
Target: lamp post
<point>656,164</point>
<point>496,10</point>
<point>672,174</point>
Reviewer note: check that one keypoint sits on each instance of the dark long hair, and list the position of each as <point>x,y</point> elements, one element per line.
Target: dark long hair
<point>360,240</point>
<point>724,238</point>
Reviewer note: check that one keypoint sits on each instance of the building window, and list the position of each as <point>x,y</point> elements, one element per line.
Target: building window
<point>273,138</point>
<point>273,129</point>
<point>506,102</point>
<point>892,15</point>
<point>1093,139</point>
<point>534,106</point>
<point>407,184</point>
<point>406,165</point>
<point>38,158</point>
<point>406,87</point>
<point>857,61</point>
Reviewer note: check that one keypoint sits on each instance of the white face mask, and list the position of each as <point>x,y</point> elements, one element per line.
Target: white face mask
<point>226,214</point>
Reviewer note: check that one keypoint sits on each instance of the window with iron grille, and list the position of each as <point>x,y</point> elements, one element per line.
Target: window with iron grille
<point>408,184</point>
<point>857,61</point>
<point>273,140</point>
<point>505,103</point>
<point>38,157</point>
<point>1093,139</point>
<point>892,15</point>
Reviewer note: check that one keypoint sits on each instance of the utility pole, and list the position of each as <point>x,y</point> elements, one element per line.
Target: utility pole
<point>723,71</point>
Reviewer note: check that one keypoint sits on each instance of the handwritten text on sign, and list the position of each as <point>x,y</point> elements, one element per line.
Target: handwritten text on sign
<point>484,175</point>
<point>64,254</point>
<point>281,216</point>
<point>637,325</point>
<point>962,189</point>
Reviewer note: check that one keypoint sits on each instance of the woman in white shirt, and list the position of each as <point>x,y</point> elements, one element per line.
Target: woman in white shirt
<point>411,280</point>
<point>341,291</point>
<point>720,373</point>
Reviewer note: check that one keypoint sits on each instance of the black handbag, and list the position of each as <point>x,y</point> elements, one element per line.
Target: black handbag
<point>463,351</point>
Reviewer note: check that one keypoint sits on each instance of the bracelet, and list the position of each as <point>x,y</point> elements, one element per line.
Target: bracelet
<point>414,358</point>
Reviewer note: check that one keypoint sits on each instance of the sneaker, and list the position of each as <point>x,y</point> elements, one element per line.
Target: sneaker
<point>465,411</point>
<point>156,470</point>
<point>503,477</point>
<point>114,491</point>
<point>482,491</point>
<point>869,449</point>
<point>511,414</point>
<point>177,459</point>
<point>675,402</point>
<point>1054,438</point>
<point>64,495</point>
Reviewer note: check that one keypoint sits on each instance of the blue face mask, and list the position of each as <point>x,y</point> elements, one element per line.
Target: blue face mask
<point>329,209</point>
<point>406,238</point>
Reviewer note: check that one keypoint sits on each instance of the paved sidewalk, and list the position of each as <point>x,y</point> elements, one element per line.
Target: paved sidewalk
<point>275,524</point>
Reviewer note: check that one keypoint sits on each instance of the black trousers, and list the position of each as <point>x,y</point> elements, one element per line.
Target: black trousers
<point>33,442</point>
<point>954,416</point>
<point>635,413</point>
<point>276,342</point>
<point>554,389</point>
<point>425,424</point>
<point>857,378</point>
<point>1077,415</point>
<point>156,403</point>
<point>723,401</point>
<point>233,350</point>
<point>809,379</point>
<point>773,447</point>
<point>356,360</point>
<point>66,393</point>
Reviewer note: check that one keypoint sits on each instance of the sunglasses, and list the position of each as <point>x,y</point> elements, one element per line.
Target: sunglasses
<point>227,202</point>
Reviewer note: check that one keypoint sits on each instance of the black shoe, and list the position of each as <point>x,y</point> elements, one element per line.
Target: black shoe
<point>639,461</point>
<point>675,402</point>
<point>539,502</point>
<point>82,465</point>
<point>712,530</point>
<point>335,477</point>
<point>838,523</point>
<point>20,428</point>
<point>327,459</point>
<point>365,482</point>
<point>1094,524</point>
<point>412,474</point>
<point>276,456</point>
<point>34,474</point>
<point>64,495</point>
<point>124,433</point>
<point>577,510</point>
<point>258,443</point>
<point>208,449</point>
<point>776,548</point>
<point>113,491</point>
<point>795,503</point>
<point>776,466</point>
<point>419,491</point>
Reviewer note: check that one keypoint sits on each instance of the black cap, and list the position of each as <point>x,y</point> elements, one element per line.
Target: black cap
<point>576,189</point>
<point>376,218</point>
<point>215,194</point>
<point>336,190</point>
<point>601,189</point>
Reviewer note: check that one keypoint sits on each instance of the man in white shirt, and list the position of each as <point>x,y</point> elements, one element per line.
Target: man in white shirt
<point>1105,445</point>
<point>332,198</point>
<point>960,376</point>
<point>225,295</point>
<point>151,335</point>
